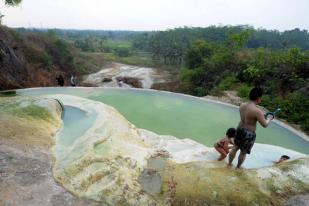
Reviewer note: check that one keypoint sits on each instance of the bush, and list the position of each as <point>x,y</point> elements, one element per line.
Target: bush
<point>46,60</point>
<point>294,107</point>
<point>64,55</point>
<point>227,83</point>
<point>122,52</point>
<point>16,36</point>
<point>190,82</point>
<point>244,91</point>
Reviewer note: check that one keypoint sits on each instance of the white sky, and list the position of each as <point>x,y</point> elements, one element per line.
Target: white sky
<point>156,14</point>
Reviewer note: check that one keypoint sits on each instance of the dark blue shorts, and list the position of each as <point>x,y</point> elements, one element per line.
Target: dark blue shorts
<point>244,139</point>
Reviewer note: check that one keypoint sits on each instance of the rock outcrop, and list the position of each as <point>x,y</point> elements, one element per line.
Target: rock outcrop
<point>27,129</point>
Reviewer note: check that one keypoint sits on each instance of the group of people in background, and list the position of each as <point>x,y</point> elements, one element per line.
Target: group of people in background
<point>60,80</point>
<point>243,138</point>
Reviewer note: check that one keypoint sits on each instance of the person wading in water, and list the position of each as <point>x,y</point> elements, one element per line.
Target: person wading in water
<point>245,133</point>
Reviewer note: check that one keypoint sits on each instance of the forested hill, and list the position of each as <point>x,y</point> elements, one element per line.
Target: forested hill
<point>35,59</point>
<point>32,59</point>
<point>145,40</point>
<point>170,46</point>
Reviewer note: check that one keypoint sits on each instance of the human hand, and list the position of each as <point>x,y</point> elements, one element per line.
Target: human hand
<point>269,116</point>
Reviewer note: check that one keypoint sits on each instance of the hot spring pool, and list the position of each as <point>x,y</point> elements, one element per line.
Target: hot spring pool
<point>178,115</point>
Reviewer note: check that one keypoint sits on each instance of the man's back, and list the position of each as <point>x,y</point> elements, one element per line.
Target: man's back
<point>248,116</point>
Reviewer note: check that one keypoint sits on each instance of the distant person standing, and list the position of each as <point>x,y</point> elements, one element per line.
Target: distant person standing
<point>245,133</point>
<point>60,80</point>
<point>73,81</point>
<point>119,82</point>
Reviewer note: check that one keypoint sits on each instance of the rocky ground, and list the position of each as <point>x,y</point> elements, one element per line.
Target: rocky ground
<point>26,139</point>
<point>131,76</point>
<point>227,97</point>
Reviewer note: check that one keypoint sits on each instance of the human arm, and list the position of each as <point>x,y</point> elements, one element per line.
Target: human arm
<point>261,119</point>
<point>226,146</point>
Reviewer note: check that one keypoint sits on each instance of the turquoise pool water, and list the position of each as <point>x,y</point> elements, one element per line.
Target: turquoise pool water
<point>75,123</point>
<point>177,115</point>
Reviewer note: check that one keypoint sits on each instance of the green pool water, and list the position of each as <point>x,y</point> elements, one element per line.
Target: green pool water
<point>76,123</point>
<point>178,115</point>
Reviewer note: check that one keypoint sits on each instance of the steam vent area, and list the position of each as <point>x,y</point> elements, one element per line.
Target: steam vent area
<point>105,146</point>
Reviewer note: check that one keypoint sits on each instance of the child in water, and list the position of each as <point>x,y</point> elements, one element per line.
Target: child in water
<point>283,158</point>
<point>223,145</point>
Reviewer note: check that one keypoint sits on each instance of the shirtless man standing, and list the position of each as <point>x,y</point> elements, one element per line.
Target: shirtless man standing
<point>245,133</point>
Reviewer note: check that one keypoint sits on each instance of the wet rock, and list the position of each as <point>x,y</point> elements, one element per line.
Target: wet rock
<point>299,200</point>
<point>134,82</point>
<point>107,80</point>
<point>150,180</point>
<point>132,76</point>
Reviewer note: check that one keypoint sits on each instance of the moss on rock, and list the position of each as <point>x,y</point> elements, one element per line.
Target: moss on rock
<point>28,122</point>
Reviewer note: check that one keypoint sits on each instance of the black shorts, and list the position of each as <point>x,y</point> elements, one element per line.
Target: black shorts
<point>244,139</point>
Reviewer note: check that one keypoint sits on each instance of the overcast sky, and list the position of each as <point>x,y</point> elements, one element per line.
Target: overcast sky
<point>157,14</point>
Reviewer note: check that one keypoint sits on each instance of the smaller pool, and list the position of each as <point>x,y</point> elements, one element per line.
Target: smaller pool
<point>75,123</point>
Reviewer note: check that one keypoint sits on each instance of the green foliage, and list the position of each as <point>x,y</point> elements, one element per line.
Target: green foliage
<point>244,91</point>
<point>16,35</point>
<point>197,53</point>
<point>228,83</point>
<point>253,72</point>
<point>12,2</point>
<point>294,107</point>
<point>10,93</point>
<point>238,40</point>
<point>172,45</point>
<point>192,82</point>
<point>46,60</point>
<point>122,52</point>
<point>63,56</point>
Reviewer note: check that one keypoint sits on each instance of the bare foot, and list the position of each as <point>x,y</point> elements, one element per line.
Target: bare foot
<point>221,158</point>
<point>229,165</point>
<point>239,168</point>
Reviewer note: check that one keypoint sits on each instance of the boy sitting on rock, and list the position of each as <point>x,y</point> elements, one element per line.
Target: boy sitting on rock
<point>223,145</point>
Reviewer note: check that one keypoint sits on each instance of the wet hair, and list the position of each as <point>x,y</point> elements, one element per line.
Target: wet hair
<point>255,93</point>
<point>285,157</point>
<point>230,133</point>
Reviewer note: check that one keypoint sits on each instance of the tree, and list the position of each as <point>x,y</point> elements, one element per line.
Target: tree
<point>12,2</point>
<point>1,16</point>
<point>9,3</point>
<point>197,53</point>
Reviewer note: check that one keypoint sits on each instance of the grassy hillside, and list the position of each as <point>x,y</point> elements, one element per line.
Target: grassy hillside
<point>33,59</point>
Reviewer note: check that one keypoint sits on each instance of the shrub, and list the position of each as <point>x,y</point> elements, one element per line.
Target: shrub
<point>227,83</point>
<point>294,107</point>
<point>122,52</point>
<point>244,91</point>
<point>46,60</point>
